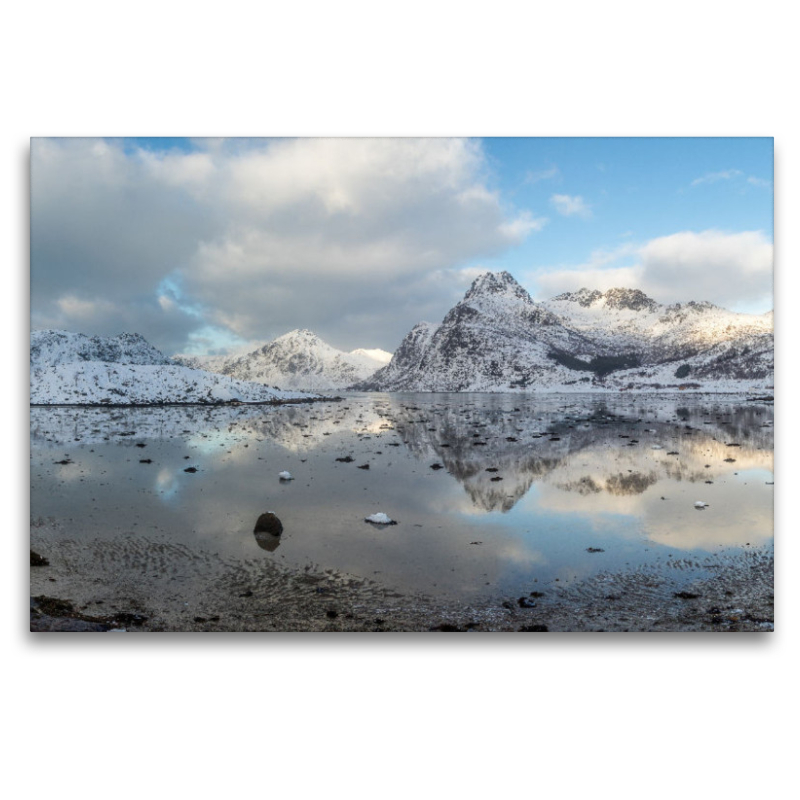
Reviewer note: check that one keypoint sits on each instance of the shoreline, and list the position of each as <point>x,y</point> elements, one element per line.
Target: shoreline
<point>217,404</point>
<point>86,586</point>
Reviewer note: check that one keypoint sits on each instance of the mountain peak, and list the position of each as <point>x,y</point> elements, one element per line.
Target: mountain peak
<point>618,298</point>
<point>496,283</point>
<point>633,299</point>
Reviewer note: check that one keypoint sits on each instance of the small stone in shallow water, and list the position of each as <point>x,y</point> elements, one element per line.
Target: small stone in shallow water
<point>595,550</point>
<point>380,519</point>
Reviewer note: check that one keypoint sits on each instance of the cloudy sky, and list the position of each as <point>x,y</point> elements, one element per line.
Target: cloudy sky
<point>210,245</point>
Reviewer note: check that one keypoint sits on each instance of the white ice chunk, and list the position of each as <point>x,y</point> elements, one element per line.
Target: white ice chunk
<point>380,519</point>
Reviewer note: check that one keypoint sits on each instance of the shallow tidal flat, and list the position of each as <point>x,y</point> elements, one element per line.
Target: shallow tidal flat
<point>514,512</point>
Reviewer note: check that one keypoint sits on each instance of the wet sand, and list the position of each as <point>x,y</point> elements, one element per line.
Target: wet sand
<point>141,584</point>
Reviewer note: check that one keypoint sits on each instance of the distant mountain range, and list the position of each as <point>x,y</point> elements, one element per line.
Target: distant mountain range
<point>298,360</point>
<point>498,339</point>
<point>74,369</point>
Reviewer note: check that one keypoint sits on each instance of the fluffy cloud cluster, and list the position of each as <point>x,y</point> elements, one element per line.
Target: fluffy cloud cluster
<point>255,237</point>
<point>733,270</point>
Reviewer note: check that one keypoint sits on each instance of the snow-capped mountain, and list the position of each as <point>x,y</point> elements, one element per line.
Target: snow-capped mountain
<point>629,318</point>
<point>498,339</point>
<point>51,348</point>
<point>297,360</point>
<point>70,368</point>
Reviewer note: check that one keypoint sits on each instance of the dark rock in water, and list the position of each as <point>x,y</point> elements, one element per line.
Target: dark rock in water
<point>140,444</point>
<point>533,629</point>
<point>730,460</point>
<point>38,561</point>
<point>492,469</point>
<point>363,466</point>
<point>63,461</point>
<point>496,478</point>
<point>526,602</point>
<point>595,550</point>
<point>437,465</point>
<point>145,460</point>
<point>346,459</point>
<point>686,595</point>
<point>268,523</point>
<point>191,469</point>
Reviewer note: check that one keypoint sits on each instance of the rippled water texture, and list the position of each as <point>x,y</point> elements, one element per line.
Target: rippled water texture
<point>528,489</point>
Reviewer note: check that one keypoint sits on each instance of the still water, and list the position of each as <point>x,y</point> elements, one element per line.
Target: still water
<point>529,489</point>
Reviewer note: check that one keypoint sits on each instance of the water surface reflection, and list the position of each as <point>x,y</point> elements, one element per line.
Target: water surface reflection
<point>491,491</point>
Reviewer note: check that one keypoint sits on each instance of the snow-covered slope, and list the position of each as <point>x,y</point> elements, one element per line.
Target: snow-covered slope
<point>70,368</point>
<point>629,318</point>
<point>297,360</point>
<point>498,339</point>
<point>51,348</point>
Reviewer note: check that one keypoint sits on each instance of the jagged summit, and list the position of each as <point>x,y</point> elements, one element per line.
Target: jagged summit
<point>617,298</point>
<point>51,347</point>
<point>299,333</point>
<point>496,283</point>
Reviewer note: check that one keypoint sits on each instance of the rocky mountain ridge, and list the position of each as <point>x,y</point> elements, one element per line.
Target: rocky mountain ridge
<point>498,339</point>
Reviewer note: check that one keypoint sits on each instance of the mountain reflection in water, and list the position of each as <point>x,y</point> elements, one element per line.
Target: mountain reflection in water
<point>532,480</point>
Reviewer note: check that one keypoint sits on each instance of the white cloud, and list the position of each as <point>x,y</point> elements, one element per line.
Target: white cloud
<point>733,270</point>
<point>524,224</point>
<point>570,205</point>
<point>759,182</point>
<point>713,177</point>
<point>262,235</point>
